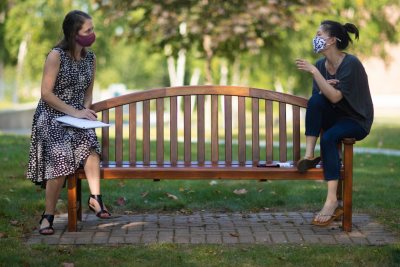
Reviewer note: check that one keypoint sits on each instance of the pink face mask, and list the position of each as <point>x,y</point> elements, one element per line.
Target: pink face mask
<point>86,40</point>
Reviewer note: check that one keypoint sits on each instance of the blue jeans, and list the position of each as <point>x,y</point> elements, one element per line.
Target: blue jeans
<point>321,114</point>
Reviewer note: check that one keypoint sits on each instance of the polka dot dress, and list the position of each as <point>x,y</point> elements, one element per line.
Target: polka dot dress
<point>58,150</point>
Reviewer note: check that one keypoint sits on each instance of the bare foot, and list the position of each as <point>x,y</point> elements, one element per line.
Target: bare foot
<point>327,211</point>
<point>45,223</point>
<point>102,213</point>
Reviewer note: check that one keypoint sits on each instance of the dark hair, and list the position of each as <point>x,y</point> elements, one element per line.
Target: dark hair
<point>72,23</point>
<point>341,32</point>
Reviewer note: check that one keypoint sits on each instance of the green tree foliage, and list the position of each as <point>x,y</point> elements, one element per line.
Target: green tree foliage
<point>266,36</point>
<point>259,38</point>
<point>39,23</point>
<point>214,28</point>
<point>4,8</point>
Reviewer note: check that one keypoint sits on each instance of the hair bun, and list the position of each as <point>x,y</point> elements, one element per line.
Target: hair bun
<point>349,27</point>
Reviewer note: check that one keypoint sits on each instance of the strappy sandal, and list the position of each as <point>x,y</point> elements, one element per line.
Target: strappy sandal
<point>305,164</point>
<point>50,219</point>
<point>337,214</point>
<point>102,209</point>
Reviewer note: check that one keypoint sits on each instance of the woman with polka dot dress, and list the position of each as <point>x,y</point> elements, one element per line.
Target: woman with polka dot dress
<point>56,150</point>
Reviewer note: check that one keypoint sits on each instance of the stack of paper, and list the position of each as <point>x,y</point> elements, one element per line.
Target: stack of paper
<point>80,123</point>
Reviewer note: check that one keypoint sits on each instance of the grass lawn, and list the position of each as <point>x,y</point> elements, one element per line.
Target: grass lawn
<point>376,192</point>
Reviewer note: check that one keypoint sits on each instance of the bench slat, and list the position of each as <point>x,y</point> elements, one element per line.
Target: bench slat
<point>160,130</point>
<point>214,129</point>
<point>282,132</point>
<point>255,131</point>
<point>269,128</point>
<point>146,131</point>
<point>200,130</point>
<point>132,133</point>
<point>173,130</point>
<point>187,129</point>
<point>296,133</point>
<point>242,130</point>
<point>105,137</point>
<point>118,134</point>
<point>228,129</point>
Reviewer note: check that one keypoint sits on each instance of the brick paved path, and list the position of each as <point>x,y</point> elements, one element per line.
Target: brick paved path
<point>215,228</point>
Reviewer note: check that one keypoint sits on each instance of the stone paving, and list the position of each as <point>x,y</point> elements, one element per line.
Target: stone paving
<point>214,228</point>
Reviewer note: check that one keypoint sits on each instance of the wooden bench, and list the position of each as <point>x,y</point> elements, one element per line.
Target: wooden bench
<point>238,117</point>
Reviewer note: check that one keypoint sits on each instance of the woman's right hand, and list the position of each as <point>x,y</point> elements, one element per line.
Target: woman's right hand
<point>333,82</point>
<point>86,114</point>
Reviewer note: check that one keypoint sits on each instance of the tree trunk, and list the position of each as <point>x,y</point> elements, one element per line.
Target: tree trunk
<point>236,72</point>
<point>177,77</point>
<point>180,68</point>
<point>209,79</point>
<point>223,81</point>
<point>235,102</point>
<point>2,89</point>
<point>224,73</point>
<point>22,51</point>
<point>194,80</point>
<point>209,55</point>
<point>171,71</point>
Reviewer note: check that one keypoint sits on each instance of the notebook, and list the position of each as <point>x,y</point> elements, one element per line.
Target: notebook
<point>80,123</point>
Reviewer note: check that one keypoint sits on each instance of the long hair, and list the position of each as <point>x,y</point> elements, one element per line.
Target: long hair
<point>341,32</point>
<point>72,23</point>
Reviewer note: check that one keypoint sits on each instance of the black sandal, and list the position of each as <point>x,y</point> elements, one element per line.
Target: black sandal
<point>304,164</point>
<point>50,219</point>
<point>102,210</point>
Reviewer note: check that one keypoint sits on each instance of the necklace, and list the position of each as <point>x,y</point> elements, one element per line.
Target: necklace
<point>329,76</point>
<point>335,66</point>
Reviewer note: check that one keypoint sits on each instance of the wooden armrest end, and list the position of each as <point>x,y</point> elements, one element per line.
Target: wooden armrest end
<point>349,141</point>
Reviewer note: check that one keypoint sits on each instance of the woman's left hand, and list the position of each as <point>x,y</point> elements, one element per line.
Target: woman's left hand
<point>306,66</point>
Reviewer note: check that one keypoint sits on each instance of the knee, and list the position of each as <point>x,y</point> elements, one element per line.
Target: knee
<point>329,139</point>
<point>316,100</point>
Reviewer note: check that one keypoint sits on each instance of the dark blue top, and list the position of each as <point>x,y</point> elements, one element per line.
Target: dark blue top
<point>353,83</point>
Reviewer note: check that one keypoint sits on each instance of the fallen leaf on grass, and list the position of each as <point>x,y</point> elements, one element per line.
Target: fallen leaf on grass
<point>121,201</point>
<point>67,264</point>
<point>240,191</point>
<point>144,194</point>
<point>172,196</point>
<point>128,212</point>
<point>14,223</point>
<point>234,234</point>
<point>185,211</point>
<point>213,182</point>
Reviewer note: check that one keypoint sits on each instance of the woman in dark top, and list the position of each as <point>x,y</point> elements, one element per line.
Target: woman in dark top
<point>340,106</point>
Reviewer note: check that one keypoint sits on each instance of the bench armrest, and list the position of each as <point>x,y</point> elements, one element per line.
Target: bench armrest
<point>349,141</point>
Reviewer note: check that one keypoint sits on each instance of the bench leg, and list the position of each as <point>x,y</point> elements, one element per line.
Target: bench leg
<point>348,187</point>
<point>79,199</point>
<point>72,201</point>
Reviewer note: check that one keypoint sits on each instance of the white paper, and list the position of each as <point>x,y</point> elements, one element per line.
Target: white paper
<point>80,123</point>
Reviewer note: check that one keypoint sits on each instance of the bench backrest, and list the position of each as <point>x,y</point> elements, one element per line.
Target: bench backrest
<point>219,138</point>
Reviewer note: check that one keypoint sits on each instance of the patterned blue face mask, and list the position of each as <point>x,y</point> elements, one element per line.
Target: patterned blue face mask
<point>319,44</point>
